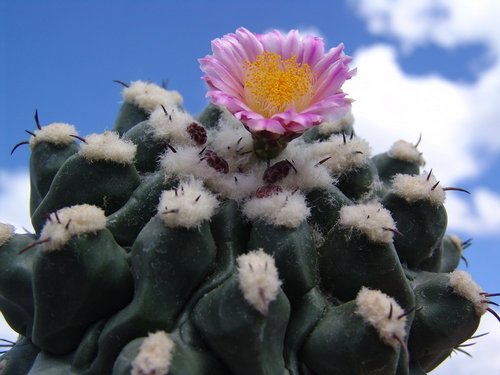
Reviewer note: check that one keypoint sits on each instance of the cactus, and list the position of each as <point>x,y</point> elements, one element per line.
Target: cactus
<point>182,245</point>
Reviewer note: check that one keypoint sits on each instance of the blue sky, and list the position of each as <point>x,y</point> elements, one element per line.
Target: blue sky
<point>423,67</point>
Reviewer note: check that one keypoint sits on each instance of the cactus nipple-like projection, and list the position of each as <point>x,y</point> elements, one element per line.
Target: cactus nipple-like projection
<point>155,355</point>
<point>371,219</point>
<point>384,314</point>
<point>258,278</point>
<point>187,205</point>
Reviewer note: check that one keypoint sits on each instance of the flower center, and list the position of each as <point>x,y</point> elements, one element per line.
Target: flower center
<point>273,85</point>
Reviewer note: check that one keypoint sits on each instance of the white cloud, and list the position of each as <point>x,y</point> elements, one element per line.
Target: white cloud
<point>14,199</point>
<point>485,353</point>
<point>443,22</point>
<point>480,215</point>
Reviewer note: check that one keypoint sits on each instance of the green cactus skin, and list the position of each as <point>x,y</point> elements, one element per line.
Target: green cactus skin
<point>434,262</point>
<point>325,206</point>
<point>16,293</point>
<point>342,343</point>
<point>230,233</point>
<point>87,350</point>
<point>444,321</point>
<point>246,341</point>
<point>45,160</point>
<point>210,116</point>
<point>185,360</point>
<point>127,222</point>
<point>349,261</point>
<point>128,116</point>
<point>165,276</point>
<point>359,182</point>
<point>452,254</point>
<point>149,147</point>
<point>422,225</point>
<point>294,252</point>
<point>306,313</point>
<point>388,167</point>
<point>19,359</point>
<point>105,184</point>
<point>97,282</point>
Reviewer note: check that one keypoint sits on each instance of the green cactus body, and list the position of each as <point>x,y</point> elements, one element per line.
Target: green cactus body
<point>165,277</point>
<point>127,222</point>
<point>294,252</point>
<point>350,259</point>
<point>325,207</point>
<point>402,158</point>
<point>102,183</point>
<point>16,293</point>
<point>422,225</point>
<point>305,314</point>
<point>248,342</point>
<point>129,115</point>
<point>359,182</point>
<point>452,252</point>
<point>96,280</point>
<point>445,320</point>
<point>342,343</point>
<point>45,161</point>
<point>197,247</point>
<point>149,147</point>
<point>210,116</point>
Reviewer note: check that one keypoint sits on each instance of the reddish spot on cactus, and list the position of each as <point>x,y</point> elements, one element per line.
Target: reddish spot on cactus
<point>268,190</point>
<point>277,171</point>
<point>197,133</point>
<point>216,162</point>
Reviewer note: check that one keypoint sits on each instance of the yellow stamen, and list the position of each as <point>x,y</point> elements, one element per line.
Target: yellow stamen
<point>273,85</point>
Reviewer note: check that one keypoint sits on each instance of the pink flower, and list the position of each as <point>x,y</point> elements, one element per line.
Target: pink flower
<point>277,83</point>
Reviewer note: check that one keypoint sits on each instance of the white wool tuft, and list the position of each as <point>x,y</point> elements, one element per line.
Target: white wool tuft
<point>344,157</point>
<point>188,205</point>
<point>235,186</point>
<point>415,188</point>
<point>283,209</point>
<point>336,126</point>
<point>375,309</point>
<point>308,174</point>
<point>186,162</point>
<point>259,279</point>
<point>155,355</point>
<point>74,220</point>
<point>56,133</point>
<point>172,125</point>
<point>149,96</point>
<point>235,145</point>
<point>108,147</point>
<point>406,151</point>
<point>372,219</point>
<point>6,233</point>
<point>463,285</point>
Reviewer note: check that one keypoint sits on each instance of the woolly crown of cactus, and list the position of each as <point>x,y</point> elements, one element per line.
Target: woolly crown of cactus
<point>148,96</point>
<point>6,233</point>
<point>383,313</point>
<point>463,285</point>
<point>108,146</point>
<point>71,221</point>
<point>56,133</point>
<point>258,278</point>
